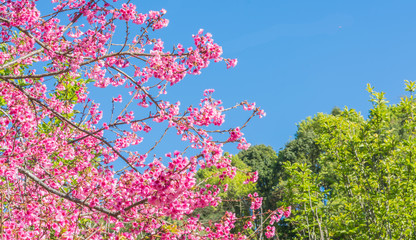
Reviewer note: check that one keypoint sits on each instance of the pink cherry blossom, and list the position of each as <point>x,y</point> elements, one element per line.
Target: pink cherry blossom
<point>61,150</point>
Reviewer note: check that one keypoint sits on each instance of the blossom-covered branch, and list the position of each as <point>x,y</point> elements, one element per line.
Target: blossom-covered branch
<point>59,152</point>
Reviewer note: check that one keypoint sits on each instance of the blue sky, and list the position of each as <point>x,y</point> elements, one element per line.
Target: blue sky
<point>295,58</point>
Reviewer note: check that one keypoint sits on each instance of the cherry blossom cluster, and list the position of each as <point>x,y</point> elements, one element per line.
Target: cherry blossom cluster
<point>61,151</point>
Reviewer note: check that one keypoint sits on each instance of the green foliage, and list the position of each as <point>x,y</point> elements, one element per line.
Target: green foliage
<point>351,178</point>
<point>336,111</point>
<point>236,188</point>
<point>263,159</point>
<point>410,86</point>
<point>70,86</point>
<point>233,199</point>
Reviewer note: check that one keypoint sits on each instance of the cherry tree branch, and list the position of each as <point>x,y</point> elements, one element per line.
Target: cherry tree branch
<point>65,196</point>
<point>62,118</point>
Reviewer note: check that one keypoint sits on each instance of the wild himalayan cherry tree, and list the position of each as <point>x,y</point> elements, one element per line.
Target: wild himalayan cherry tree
<point>57,151</point>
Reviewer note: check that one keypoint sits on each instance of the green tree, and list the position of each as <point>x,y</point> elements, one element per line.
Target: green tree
<point>234,199</point>
<point>303,177</point>
<point>357,178</point>
<point>263,159</point>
